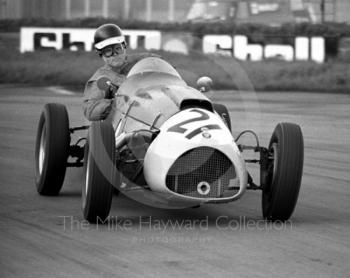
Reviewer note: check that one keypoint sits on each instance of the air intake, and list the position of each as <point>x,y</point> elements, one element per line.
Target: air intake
<point>203,172</point>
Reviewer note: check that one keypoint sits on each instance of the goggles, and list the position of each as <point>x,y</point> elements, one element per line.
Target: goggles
<point>110,50</point>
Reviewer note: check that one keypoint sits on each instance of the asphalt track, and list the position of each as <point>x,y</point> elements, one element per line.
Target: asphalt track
<point>47,237</point>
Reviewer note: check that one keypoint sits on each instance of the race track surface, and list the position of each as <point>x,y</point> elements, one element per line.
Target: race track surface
<point>47,237</point>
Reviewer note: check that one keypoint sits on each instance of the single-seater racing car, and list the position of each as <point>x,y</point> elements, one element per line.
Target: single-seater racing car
<point>166,144</point>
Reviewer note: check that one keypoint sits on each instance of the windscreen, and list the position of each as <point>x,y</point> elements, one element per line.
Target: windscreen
<point>153,64</point>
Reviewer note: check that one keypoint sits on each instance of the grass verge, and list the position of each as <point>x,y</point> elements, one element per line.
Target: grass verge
<point>74,68</point>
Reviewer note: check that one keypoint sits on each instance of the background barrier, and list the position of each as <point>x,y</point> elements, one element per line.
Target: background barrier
<point>243,47</point>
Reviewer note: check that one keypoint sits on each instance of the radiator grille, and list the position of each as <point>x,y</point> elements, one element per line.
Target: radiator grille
<point>200,165</point>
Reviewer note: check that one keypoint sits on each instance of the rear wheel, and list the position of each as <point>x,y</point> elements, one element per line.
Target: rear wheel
<point>99,169</point>
<point>224,114</point>
<point>51,149</point>
<point>280,193</point>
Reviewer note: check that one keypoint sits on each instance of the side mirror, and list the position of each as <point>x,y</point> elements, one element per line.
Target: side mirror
<point>204,84</point>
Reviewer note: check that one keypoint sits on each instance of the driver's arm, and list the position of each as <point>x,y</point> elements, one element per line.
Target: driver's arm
<point>95,106</point>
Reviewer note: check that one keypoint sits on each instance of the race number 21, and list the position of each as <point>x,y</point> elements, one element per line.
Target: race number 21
<point>203,116</point>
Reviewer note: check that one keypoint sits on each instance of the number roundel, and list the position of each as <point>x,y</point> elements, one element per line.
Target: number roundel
<point>203,116</point>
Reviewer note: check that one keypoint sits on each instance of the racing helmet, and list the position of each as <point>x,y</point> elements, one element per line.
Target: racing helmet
<point>108,34</point>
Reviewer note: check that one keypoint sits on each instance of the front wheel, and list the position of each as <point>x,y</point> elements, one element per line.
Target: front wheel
<point>51,149</point>
<point>99,168</point>
<point>280,193</point>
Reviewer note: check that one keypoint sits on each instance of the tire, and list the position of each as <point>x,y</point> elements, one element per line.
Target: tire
<point>281,191</point>
<point>224,114</point>
<point>51,149</point>
<point>99,168</point>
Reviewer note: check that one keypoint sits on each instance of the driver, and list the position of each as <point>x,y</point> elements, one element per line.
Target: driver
<point>110,45</point>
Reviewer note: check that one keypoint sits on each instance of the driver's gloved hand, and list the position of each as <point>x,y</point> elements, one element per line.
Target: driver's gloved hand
<point>111,92</point>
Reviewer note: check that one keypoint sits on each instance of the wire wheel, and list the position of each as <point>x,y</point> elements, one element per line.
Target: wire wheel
<point>281,191</point>
<point>51,149</point>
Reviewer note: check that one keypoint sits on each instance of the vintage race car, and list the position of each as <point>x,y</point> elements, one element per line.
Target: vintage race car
<point>166,144</point>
